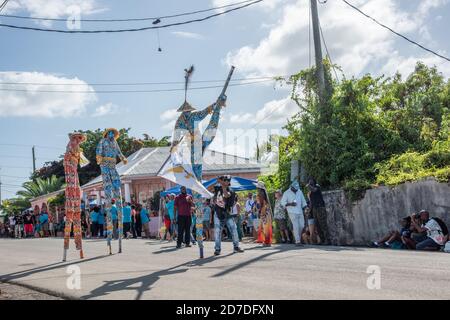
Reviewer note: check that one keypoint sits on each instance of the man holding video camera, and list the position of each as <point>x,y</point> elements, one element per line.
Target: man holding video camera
<point>431,233</point>
<point>224,199</point>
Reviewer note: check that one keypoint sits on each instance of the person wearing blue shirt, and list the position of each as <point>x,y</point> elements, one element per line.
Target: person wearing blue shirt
<point>126,219</point>
<point>43,221</point>
<point>101,221</point>
<point>145,221</point>
<point>170,206</point>
<point>94,222</point>
<point>114,219</point>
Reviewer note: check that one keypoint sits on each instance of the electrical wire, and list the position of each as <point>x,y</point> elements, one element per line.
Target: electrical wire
<point>328,53</point>
<point>23,157</point>
<point>133,29</point>
<point>18,177</point>
<point>134,91</point>
<point>14,167</point>
<point>3,5</point>
<point>29,146</point>
<point>395,32</point>
<point>131,19</point>
<point>135,83</point>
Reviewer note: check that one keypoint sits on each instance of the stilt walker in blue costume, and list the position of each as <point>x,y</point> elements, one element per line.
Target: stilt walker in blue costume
<point>107,153</point>
<point>187,125</point>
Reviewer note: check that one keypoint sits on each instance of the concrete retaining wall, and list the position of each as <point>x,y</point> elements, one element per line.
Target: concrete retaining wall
<point>381,209</point>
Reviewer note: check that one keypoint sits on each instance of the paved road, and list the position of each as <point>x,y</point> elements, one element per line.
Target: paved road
<point>149,269</point>
<point>15,292</point>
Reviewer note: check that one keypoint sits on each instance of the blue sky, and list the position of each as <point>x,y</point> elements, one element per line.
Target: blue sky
<point>267,39</point>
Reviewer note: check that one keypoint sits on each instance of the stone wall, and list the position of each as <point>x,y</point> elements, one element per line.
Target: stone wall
<point>381,209</point>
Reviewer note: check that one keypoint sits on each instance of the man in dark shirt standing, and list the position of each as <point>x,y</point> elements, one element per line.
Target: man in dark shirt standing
<point>318,212</point>
<point>224,199</point>
<point>182,208</point>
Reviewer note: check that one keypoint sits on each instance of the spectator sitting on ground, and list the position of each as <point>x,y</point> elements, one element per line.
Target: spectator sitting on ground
<point>395,235</point>
<point>436,232</point>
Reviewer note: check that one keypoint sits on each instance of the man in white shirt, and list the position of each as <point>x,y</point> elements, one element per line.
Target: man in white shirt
<point>294,202</point>
<point>249,204</point>
<point>436,231</point>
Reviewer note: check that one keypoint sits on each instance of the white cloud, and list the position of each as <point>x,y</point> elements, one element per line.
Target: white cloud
<point>273,112</point>
<point>169,117</point>
<point>30,101</point>
<point>188,35</point>
<point>241,117</point>
<point>356,43</point>
<point>105,109</point>
<point>52,8</point>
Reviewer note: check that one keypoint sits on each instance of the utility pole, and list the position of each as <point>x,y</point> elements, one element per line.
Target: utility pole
<point>318,50</point>
<point>34,159</point>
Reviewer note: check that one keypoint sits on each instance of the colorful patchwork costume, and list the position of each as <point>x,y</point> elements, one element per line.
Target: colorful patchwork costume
<point>72,158</point>
<point>198,211</point>
<point>107,152</point>
<point>187,124</point>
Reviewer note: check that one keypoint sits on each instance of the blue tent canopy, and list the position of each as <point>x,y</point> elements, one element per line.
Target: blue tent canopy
<point>174,190</point>
<point>237,184</point>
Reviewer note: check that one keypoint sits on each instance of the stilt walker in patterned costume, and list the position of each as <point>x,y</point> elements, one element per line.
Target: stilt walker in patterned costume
<point>107,153</point>
<point>187,124</point>
<point>72,158</point>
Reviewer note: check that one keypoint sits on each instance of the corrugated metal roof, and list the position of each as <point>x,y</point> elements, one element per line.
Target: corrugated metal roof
<point>148,161</point>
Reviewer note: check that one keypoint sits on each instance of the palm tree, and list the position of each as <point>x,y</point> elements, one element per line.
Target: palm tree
<point>40,187</point>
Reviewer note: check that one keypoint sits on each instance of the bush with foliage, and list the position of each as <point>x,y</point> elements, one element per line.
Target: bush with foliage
<point>367,130</point>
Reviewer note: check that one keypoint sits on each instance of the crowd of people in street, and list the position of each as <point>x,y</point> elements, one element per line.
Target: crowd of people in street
<point>230,216</point>
<point>227,217</point>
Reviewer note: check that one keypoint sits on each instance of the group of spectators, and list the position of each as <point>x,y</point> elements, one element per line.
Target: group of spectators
<point>298,220</point>
<point>135,219</point>
<point>39,223</point>
<point>417,232</point>
<point>29,224</point>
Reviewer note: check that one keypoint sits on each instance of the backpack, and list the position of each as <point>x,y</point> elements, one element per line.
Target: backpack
<point>442,225</point>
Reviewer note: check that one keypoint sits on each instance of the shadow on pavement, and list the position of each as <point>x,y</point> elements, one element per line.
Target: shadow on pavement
<point>143,283</point>
<point>53,266</point>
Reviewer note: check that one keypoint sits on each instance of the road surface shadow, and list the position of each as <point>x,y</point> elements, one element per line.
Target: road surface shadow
<point>275,249</point>
<point>49,267</point>
<point>144,283</point>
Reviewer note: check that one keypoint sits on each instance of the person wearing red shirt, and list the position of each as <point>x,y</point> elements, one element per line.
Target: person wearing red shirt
<point>183,217</point>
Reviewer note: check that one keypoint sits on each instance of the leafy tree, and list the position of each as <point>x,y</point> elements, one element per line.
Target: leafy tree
<point>15,205</point>
<point>367,127</point>
<point>39,187</point>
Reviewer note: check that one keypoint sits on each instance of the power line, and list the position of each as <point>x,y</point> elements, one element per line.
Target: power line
<point>131,19</point>
<point>3,5</point>
<point>29,146</point>
<point>8,176</point>
<point>11,185</point>
<point>22,157</point>
<point>133,29</point>
<point>14,167</point>
<point>134,83</point>
<point>328,53</point>
<point>395,32</point>
<point>133,91</point>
